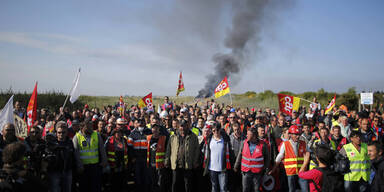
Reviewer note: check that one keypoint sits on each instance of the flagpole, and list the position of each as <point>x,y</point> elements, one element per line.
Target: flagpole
<point>66,99</point>
<point>230,95</point>
<point>306,100</point>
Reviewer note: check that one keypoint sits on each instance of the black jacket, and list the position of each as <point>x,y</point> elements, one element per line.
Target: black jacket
<point>378,181</point>
<point>61,156</point>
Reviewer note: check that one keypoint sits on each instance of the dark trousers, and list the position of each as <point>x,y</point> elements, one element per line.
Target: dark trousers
<point>235,182</point>
<point>203,182</point>
<point>118,181</point>
<point>143,176</point>
<point>90,180</point>
<point>158,180</point>
<point>360,186</point>
<point>182,180</point>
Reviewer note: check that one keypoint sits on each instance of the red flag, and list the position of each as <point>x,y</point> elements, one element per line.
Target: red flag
<point>180,88</point>
<point>288,103</point>
<point>31,109</point>
<point>147,102</point>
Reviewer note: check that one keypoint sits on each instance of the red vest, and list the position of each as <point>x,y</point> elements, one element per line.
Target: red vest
<point>292,164</point>
<point>254,162</point>
<point>160,151</point>
<point>341,144</point>
<point>111,151</point>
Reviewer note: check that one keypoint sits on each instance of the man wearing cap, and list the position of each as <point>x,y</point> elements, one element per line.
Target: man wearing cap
<point>292,152</point>
<point>74,128</point>
<point>90,157</point>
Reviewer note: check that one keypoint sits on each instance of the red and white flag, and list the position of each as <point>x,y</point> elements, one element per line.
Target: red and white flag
<point>330,105</point>
<point>180,87</point>
<point>31,109</point>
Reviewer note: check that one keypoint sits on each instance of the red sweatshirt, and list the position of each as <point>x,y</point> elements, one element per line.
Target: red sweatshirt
<point>314,175</point>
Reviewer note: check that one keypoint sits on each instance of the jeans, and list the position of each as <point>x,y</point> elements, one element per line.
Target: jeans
<point>251,181</point>
<point>178,176</point>
<point>60,181</point>
<point>219,181</point>
<point>358,186</point>
<point>292,183</point>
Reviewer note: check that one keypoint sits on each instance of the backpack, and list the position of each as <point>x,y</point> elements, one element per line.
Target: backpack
<point>331,182</point>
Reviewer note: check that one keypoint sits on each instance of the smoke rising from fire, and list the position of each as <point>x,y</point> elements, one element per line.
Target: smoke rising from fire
<point>248,21</point>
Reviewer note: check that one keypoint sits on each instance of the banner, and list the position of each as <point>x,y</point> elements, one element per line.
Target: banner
<point>330,105</point>
<point>288,103</point>
<point>74,92</point>
<point>222,89</point>
<point>31,109</point>
<point>21,127</point>
<point>6,114</point>
<point>180,87</point>
<point>146,102</point>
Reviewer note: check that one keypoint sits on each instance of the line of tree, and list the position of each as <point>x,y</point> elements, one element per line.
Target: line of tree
<point>349,98</point>
<point>53,100</point>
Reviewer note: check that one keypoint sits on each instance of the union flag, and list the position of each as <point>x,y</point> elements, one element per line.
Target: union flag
<point>223,88</point>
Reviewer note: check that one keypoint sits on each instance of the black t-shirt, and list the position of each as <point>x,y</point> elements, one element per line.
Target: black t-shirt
<point>153,148</point>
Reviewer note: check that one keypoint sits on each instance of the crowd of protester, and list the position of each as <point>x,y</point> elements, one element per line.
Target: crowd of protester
<point>211,147</point>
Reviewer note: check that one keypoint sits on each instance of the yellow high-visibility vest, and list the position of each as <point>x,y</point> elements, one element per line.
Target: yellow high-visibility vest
<point>359,163</point>
<point>89,152</point>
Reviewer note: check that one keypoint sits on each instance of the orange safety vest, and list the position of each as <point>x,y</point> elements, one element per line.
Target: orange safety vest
<point>160,151</point>
<point>252,162</point>
<point>111,152</point>
<point>292,164</point>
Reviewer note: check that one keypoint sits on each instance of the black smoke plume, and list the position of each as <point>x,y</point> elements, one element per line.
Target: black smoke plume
<point>247,24</point>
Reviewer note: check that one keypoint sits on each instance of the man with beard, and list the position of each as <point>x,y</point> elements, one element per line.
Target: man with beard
<point>8,137</point>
